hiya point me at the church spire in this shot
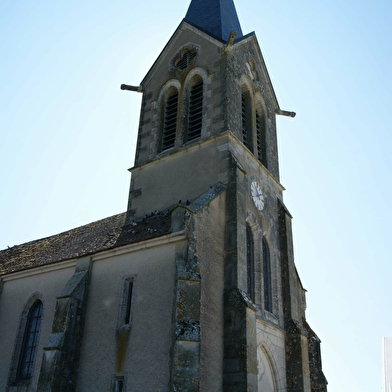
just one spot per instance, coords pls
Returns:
(216, 17)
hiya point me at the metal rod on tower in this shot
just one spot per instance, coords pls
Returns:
(285, 113)
(131, 88)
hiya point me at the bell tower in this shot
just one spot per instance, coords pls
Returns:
(209, 81)
(208, 127)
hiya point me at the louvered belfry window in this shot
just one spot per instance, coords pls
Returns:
(186, 59)
(170, 121)
(195, 115)
(261, 138)
(246, 121)
(30, 342)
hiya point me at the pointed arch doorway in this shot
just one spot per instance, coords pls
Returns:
(266, 380)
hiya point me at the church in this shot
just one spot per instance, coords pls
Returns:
(193, 287)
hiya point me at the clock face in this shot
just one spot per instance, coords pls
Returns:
(257, 195)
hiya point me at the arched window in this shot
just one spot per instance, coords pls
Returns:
(184, 59)
(267, 277)
(261, 137)
(26, 342)
(250, 264)
(170, 108)
(195, 112)
(30, 342)
(246, 120)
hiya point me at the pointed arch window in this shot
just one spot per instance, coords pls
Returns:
(30, 342)
(246, 120)
(169, 120)
(250, 264)
(261, 137)
(267, 277)
(195, 113)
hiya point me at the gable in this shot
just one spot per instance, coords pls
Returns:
(256, 69)
(185, 35)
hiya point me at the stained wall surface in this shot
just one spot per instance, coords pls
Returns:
(209, 237)
(16, 293)
(142, 353)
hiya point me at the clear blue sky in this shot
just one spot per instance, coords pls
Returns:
(68, 136)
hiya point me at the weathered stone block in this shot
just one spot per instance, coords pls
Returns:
(187, 330)
(186, 366)
(188, 300)
(188, 270)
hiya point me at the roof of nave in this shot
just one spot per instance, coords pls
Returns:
(95, 237)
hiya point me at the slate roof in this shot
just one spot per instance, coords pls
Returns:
(216, 17)
(95, 237)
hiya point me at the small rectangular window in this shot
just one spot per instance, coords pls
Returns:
(119, 384)
(129, 302)
(126, 300)
(119, 381)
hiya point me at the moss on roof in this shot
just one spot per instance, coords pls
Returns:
(95, 237)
